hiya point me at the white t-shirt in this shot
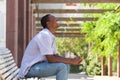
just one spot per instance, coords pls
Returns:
(42, 44)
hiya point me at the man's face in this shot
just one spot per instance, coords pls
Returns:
(53, 22)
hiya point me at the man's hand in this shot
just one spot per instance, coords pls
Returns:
(76, 61)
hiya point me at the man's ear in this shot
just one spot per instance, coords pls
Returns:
(47, 22)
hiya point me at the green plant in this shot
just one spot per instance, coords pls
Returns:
(104, 34)
(93, 66)
(76, 68)
(78, 46)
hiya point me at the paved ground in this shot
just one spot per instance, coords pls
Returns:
(106, 78)
(78, 76)
(82, 76)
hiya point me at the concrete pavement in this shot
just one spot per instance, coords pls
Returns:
(76, 76)
(82, 76)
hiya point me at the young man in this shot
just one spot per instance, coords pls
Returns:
(41, 59)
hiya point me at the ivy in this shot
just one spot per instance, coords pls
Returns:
(104, 33)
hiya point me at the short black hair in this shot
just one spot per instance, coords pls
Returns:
(44, 20)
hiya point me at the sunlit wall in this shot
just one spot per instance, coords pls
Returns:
(2, 23)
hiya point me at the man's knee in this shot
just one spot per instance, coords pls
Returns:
(62, 66)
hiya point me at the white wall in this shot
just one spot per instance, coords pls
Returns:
(61, 6)
(2, 23)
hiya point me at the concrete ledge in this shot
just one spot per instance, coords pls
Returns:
(106, 78)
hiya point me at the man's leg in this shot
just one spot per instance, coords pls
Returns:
(46, 69)
(63, 71)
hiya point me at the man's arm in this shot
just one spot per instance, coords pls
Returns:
(56, 58)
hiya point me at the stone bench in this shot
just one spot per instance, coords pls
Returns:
(8, 68)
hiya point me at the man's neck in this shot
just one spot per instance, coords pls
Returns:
(52, 30)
